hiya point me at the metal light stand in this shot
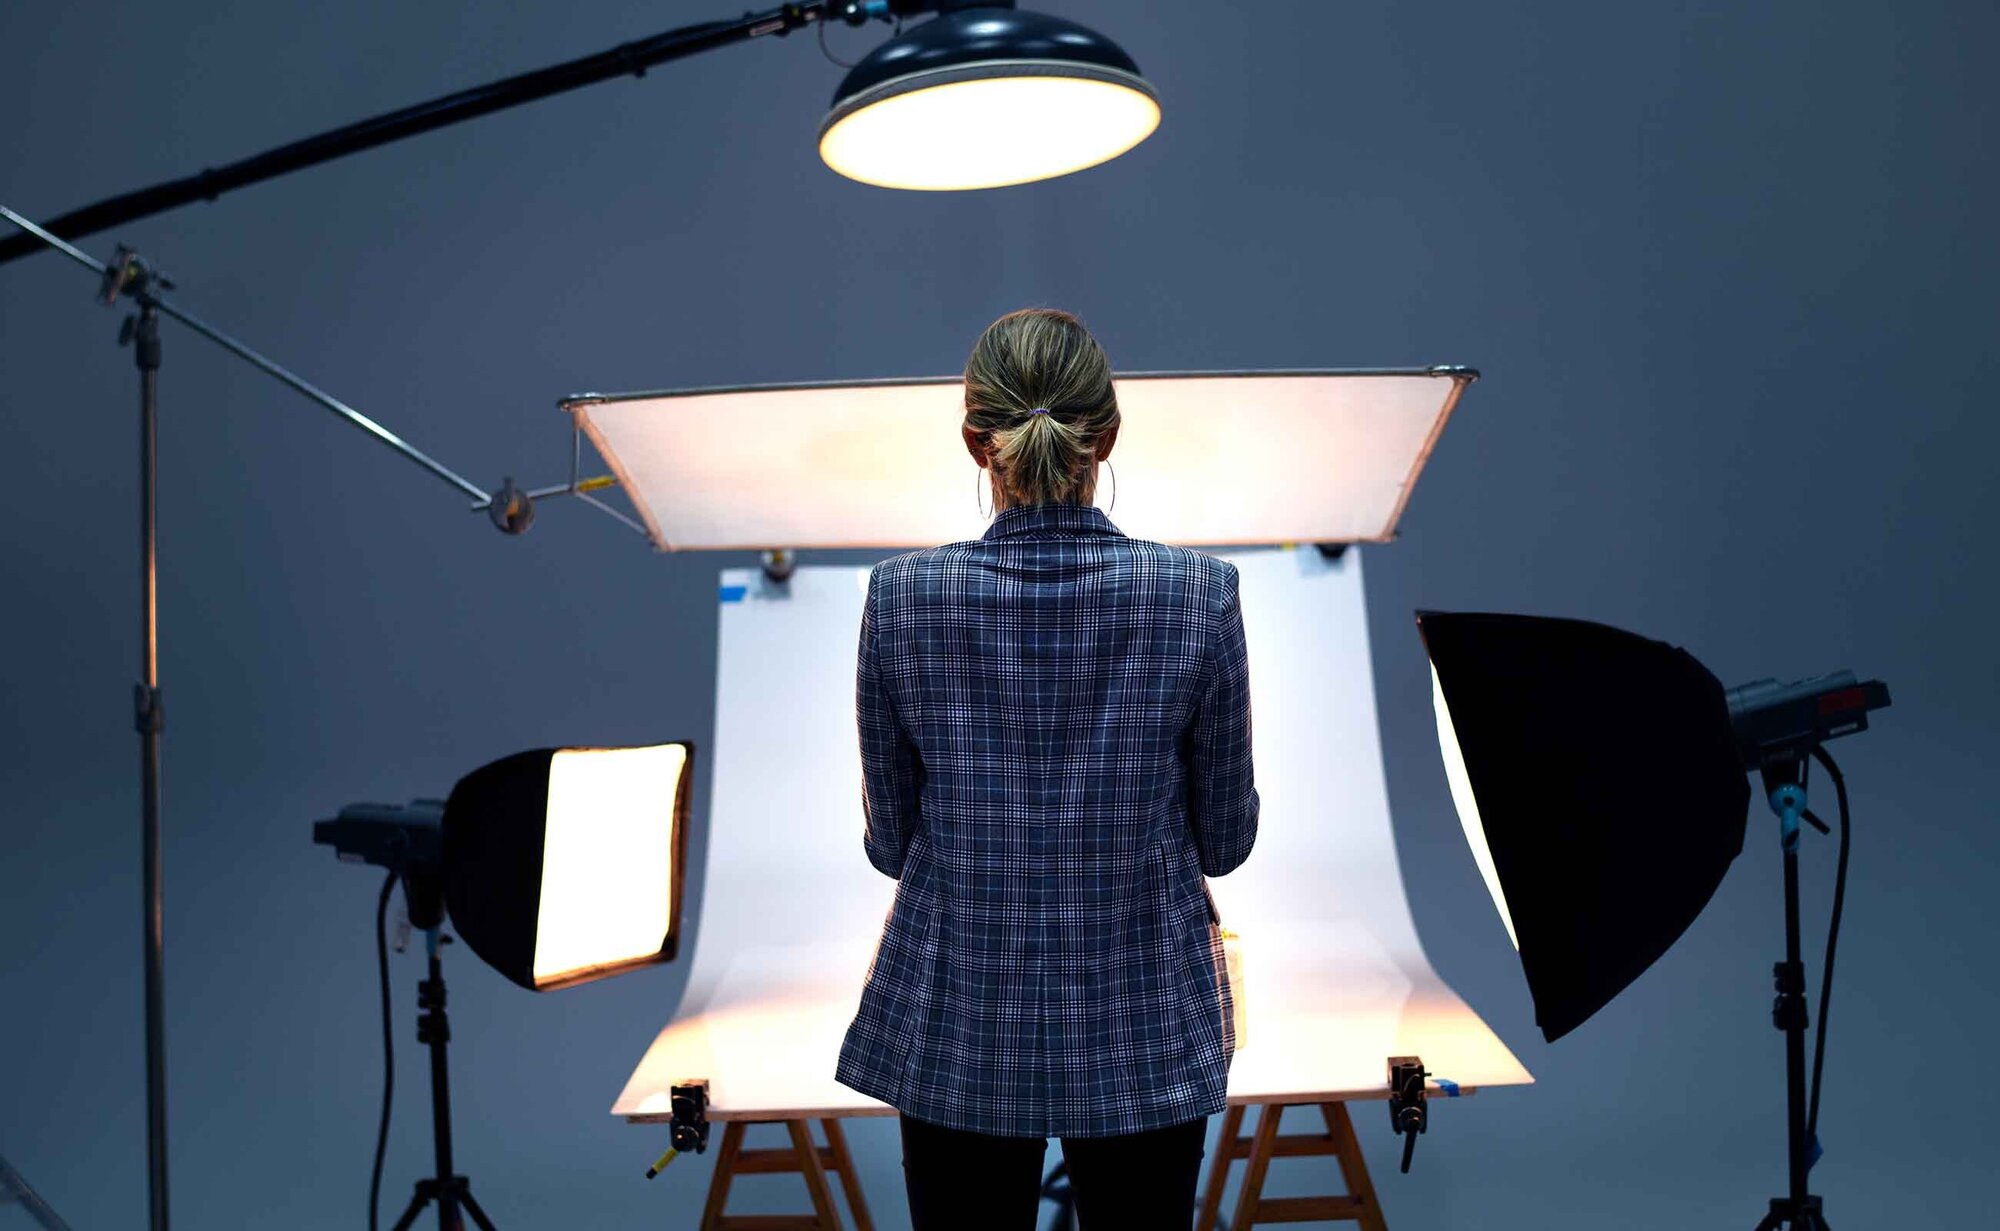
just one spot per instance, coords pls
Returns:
(1784, 786)
(447, 1188)
(134, 277)
(511, 509)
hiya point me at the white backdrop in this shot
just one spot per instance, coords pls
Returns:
(1335, 981)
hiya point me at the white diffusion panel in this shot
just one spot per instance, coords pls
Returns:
(607, 857)
(1323, 457)
(791, 910)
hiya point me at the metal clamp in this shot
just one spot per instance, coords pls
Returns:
(1409, 1109)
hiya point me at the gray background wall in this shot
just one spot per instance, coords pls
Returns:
(1729, 270)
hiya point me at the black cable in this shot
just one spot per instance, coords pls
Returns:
(828, 51)
(1832, 939)
(388, 1048)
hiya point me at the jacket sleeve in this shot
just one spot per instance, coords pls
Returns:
(891, 768)
(1222, 791)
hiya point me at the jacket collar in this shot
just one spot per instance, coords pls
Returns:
(1024, 520)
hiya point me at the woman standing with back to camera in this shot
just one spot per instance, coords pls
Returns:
(1055, 750)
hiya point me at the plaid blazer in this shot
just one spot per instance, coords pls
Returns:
(1055, 750)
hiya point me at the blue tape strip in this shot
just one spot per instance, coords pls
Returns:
(1450, 1088)
(734, 594)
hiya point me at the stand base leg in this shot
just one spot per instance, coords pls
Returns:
(450, 1194)
(1805, 1217)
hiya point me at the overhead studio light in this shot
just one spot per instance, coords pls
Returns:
(983, 96)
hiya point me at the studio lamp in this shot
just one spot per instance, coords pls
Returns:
(1600, 778)
(556, 866)
(985, 95)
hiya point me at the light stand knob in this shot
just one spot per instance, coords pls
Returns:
(511, 510)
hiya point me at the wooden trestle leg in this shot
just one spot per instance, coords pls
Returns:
(1357, 1204)
(810, 1161)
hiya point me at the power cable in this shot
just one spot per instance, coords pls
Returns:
(388, 1049)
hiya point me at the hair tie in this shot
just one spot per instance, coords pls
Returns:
(1039, 410)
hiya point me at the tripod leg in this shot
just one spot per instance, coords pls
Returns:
(416, 1206)
(472, 1207)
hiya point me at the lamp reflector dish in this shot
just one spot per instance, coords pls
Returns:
(986, 126)
(985, 95)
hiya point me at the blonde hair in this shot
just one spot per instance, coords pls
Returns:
(1040, 357)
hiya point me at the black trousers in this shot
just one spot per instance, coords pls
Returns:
(960, 1181)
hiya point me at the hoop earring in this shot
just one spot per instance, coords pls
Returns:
(1114, 484)
(978, 492)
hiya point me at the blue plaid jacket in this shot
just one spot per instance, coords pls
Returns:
(1055, 750)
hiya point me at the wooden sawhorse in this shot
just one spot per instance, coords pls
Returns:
(1357, 1204)
(809, 1160)
(813, 1162)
